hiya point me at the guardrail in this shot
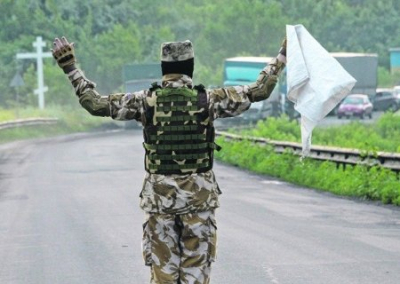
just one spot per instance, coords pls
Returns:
(338, 155)
(27, 122)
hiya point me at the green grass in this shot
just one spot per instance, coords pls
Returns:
(384, 135)
(374, 183)
(30, 132)
(71, 120)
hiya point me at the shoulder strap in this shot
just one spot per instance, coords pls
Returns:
(154, 86)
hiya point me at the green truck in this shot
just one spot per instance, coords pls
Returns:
(243, 71)
(140, 76)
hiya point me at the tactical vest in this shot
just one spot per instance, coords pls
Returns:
(178, 133)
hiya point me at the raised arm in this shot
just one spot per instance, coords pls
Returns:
(232, 101)
(118, 106)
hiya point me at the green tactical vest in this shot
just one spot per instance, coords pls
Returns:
(178, 133)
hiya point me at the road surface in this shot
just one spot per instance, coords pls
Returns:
(69, 214)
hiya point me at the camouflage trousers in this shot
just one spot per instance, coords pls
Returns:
(180, 248)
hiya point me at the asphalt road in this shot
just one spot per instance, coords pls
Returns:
(69, 214)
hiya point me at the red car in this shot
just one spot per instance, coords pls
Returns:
(355, 105)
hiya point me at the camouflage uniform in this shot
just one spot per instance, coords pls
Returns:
(179, 232)
(180, 247)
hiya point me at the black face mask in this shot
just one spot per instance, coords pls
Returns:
(178, 67)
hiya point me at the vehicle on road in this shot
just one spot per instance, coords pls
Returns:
(361, 66)
(261, 110)
(257, 111)
(355, 105)
(385, 99)
(243, 71)
(396, 91)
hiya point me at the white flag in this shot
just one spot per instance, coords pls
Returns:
(316, 82)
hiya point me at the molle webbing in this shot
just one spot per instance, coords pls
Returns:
(177, 108)
(178, 157)
(179, 139)
(178, 128)
(170, 92)
(176, 99)
(176, 118)
(170, 147)
(169, 167)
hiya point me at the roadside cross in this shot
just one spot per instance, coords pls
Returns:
(38, 55)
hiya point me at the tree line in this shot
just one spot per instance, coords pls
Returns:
(111, 33)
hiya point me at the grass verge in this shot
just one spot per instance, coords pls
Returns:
(374, 183)
(71, 120)
(383, 135)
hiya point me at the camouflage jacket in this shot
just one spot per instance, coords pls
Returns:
(176, 194)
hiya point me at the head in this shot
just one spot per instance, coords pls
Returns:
(177, 58)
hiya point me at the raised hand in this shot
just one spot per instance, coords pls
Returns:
(283, 47)
(64, 53)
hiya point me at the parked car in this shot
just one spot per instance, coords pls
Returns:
(290, 111)
(396, 92)
(257, 111)
(385, 100)
(261, 110)
(355, 105)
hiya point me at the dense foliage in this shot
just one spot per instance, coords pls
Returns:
(109, 33)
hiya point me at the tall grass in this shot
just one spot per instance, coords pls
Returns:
(70, 120)
(384, 135)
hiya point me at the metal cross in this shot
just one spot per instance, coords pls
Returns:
(38, 55)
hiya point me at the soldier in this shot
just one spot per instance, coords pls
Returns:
(180, 192)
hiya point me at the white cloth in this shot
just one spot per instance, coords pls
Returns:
(316, 82)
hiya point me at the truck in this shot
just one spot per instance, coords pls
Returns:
(138, 77)
(243, 71)
(363, 67)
